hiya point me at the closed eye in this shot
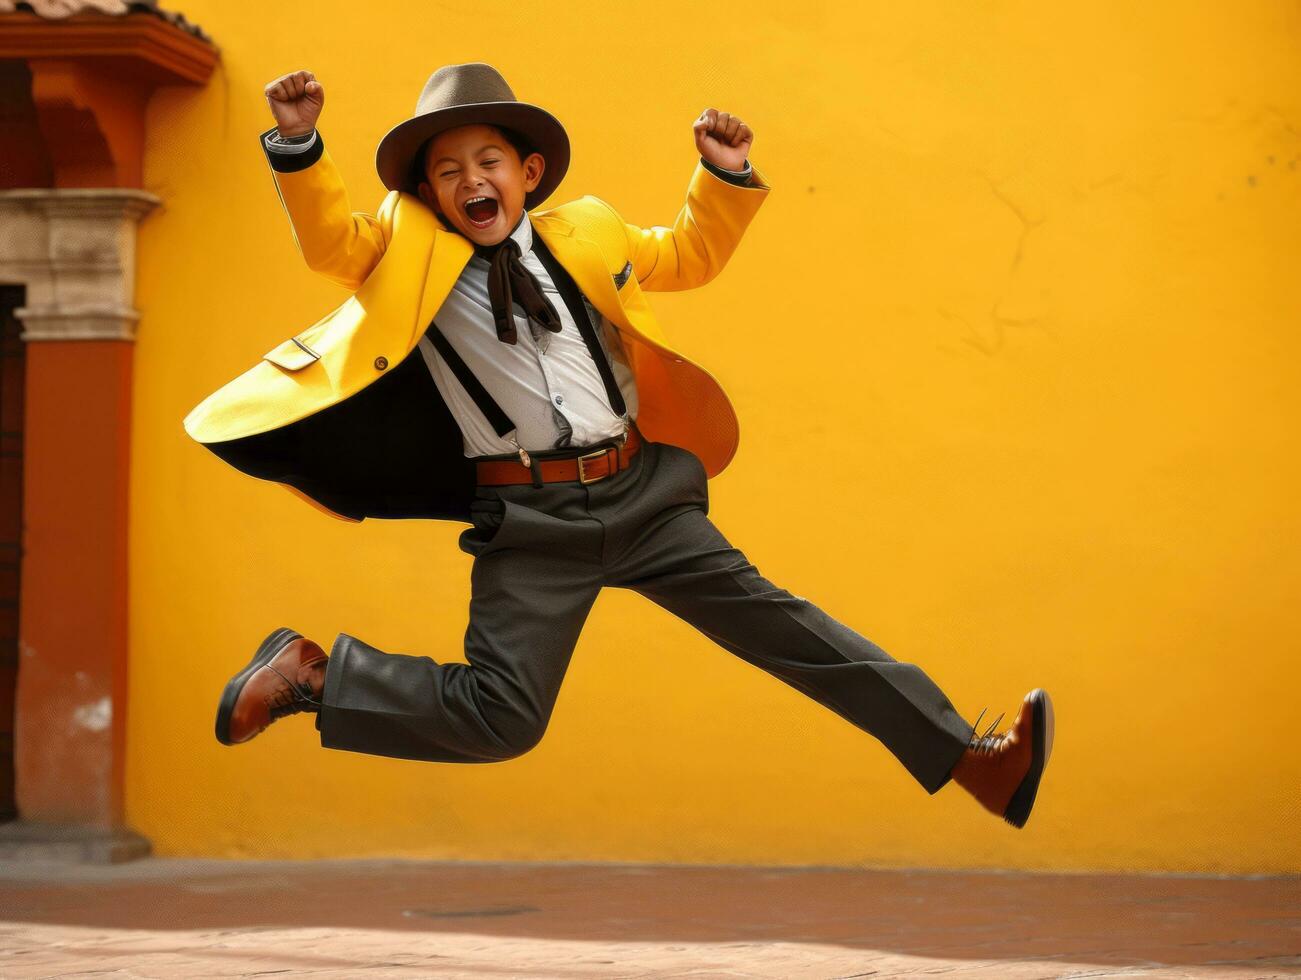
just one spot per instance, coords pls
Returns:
(451, 173)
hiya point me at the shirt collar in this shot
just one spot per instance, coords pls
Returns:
(523, 233)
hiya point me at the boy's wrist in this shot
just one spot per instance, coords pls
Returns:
(739, 177)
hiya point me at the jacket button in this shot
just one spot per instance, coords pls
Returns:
(381, 363)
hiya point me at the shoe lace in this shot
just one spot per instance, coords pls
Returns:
(298, 697)
(987, 743)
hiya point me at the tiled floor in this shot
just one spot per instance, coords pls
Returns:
(187, 918)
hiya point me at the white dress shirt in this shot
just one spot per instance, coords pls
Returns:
(547, 383)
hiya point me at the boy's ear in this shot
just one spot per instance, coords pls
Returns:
(534, 166)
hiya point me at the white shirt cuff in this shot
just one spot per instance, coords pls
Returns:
(738, 173)
(276, 146)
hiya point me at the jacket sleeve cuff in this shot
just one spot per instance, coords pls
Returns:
(288, 158)
(738, 177)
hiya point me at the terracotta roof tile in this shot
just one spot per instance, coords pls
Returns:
(58, 9)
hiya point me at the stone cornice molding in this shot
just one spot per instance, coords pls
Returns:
(75, 250)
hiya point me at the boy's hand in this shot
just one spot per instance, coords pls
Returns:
(723, 139)
(296, 100)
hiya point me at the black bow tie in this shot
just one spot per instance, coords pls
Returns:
(510, 282)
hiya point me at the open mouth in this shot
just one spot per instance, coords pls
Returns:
(482, 211)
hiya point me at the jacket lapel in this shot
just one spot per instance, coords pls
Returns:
(449, 255)
(584, 260)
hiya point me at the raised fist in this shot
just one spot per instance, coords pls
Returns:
(296, 100)
(723, 139)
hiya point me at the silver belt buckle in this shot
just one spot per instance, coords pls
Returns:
(582, 474)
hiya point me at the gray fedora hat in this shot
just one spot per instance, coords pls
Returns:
(459, 95)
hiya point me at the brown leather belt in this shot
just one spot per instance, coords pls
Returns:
(588, 468)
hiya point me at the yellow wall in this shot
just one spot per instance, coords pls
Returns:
(1024, 270)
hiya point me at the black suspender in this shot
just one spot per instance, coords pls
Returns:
(578, 310)
(493, 412)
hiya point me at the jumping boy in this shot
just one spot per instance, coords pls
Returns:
(501, 366)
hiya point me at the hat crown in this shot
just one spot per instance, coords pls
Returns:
(467, 84)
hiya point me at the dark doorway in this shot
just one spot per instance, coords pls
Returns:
(12, 372)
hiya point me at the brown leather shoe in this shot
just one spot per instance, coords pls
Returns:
(1003, 771)
(285, 676)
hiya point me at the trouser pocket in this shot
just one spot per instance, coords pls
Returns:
(487, 515)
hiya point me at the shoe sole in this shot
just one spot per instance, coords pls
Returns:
(266, 652)
(1022, 802)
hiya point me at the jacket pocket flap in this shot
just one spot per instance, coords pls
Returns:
(292, 355)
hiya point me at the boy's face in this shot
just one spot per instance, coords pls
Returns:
(476, 161)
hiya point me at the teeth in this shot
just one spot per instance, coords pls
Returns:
(473, 199)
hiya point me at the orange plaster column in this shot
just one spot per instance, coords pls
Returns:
(74, 249)
(83, 85)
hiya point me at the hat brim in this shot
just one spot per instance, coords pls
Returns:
(396, 152)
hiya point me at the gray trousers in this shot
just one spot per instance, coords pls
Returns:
(541, 556)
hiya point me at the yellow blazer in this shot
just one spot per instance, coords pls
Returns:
(344, 416)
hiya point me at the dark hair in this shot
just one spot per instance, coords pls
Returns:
(518, 141)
